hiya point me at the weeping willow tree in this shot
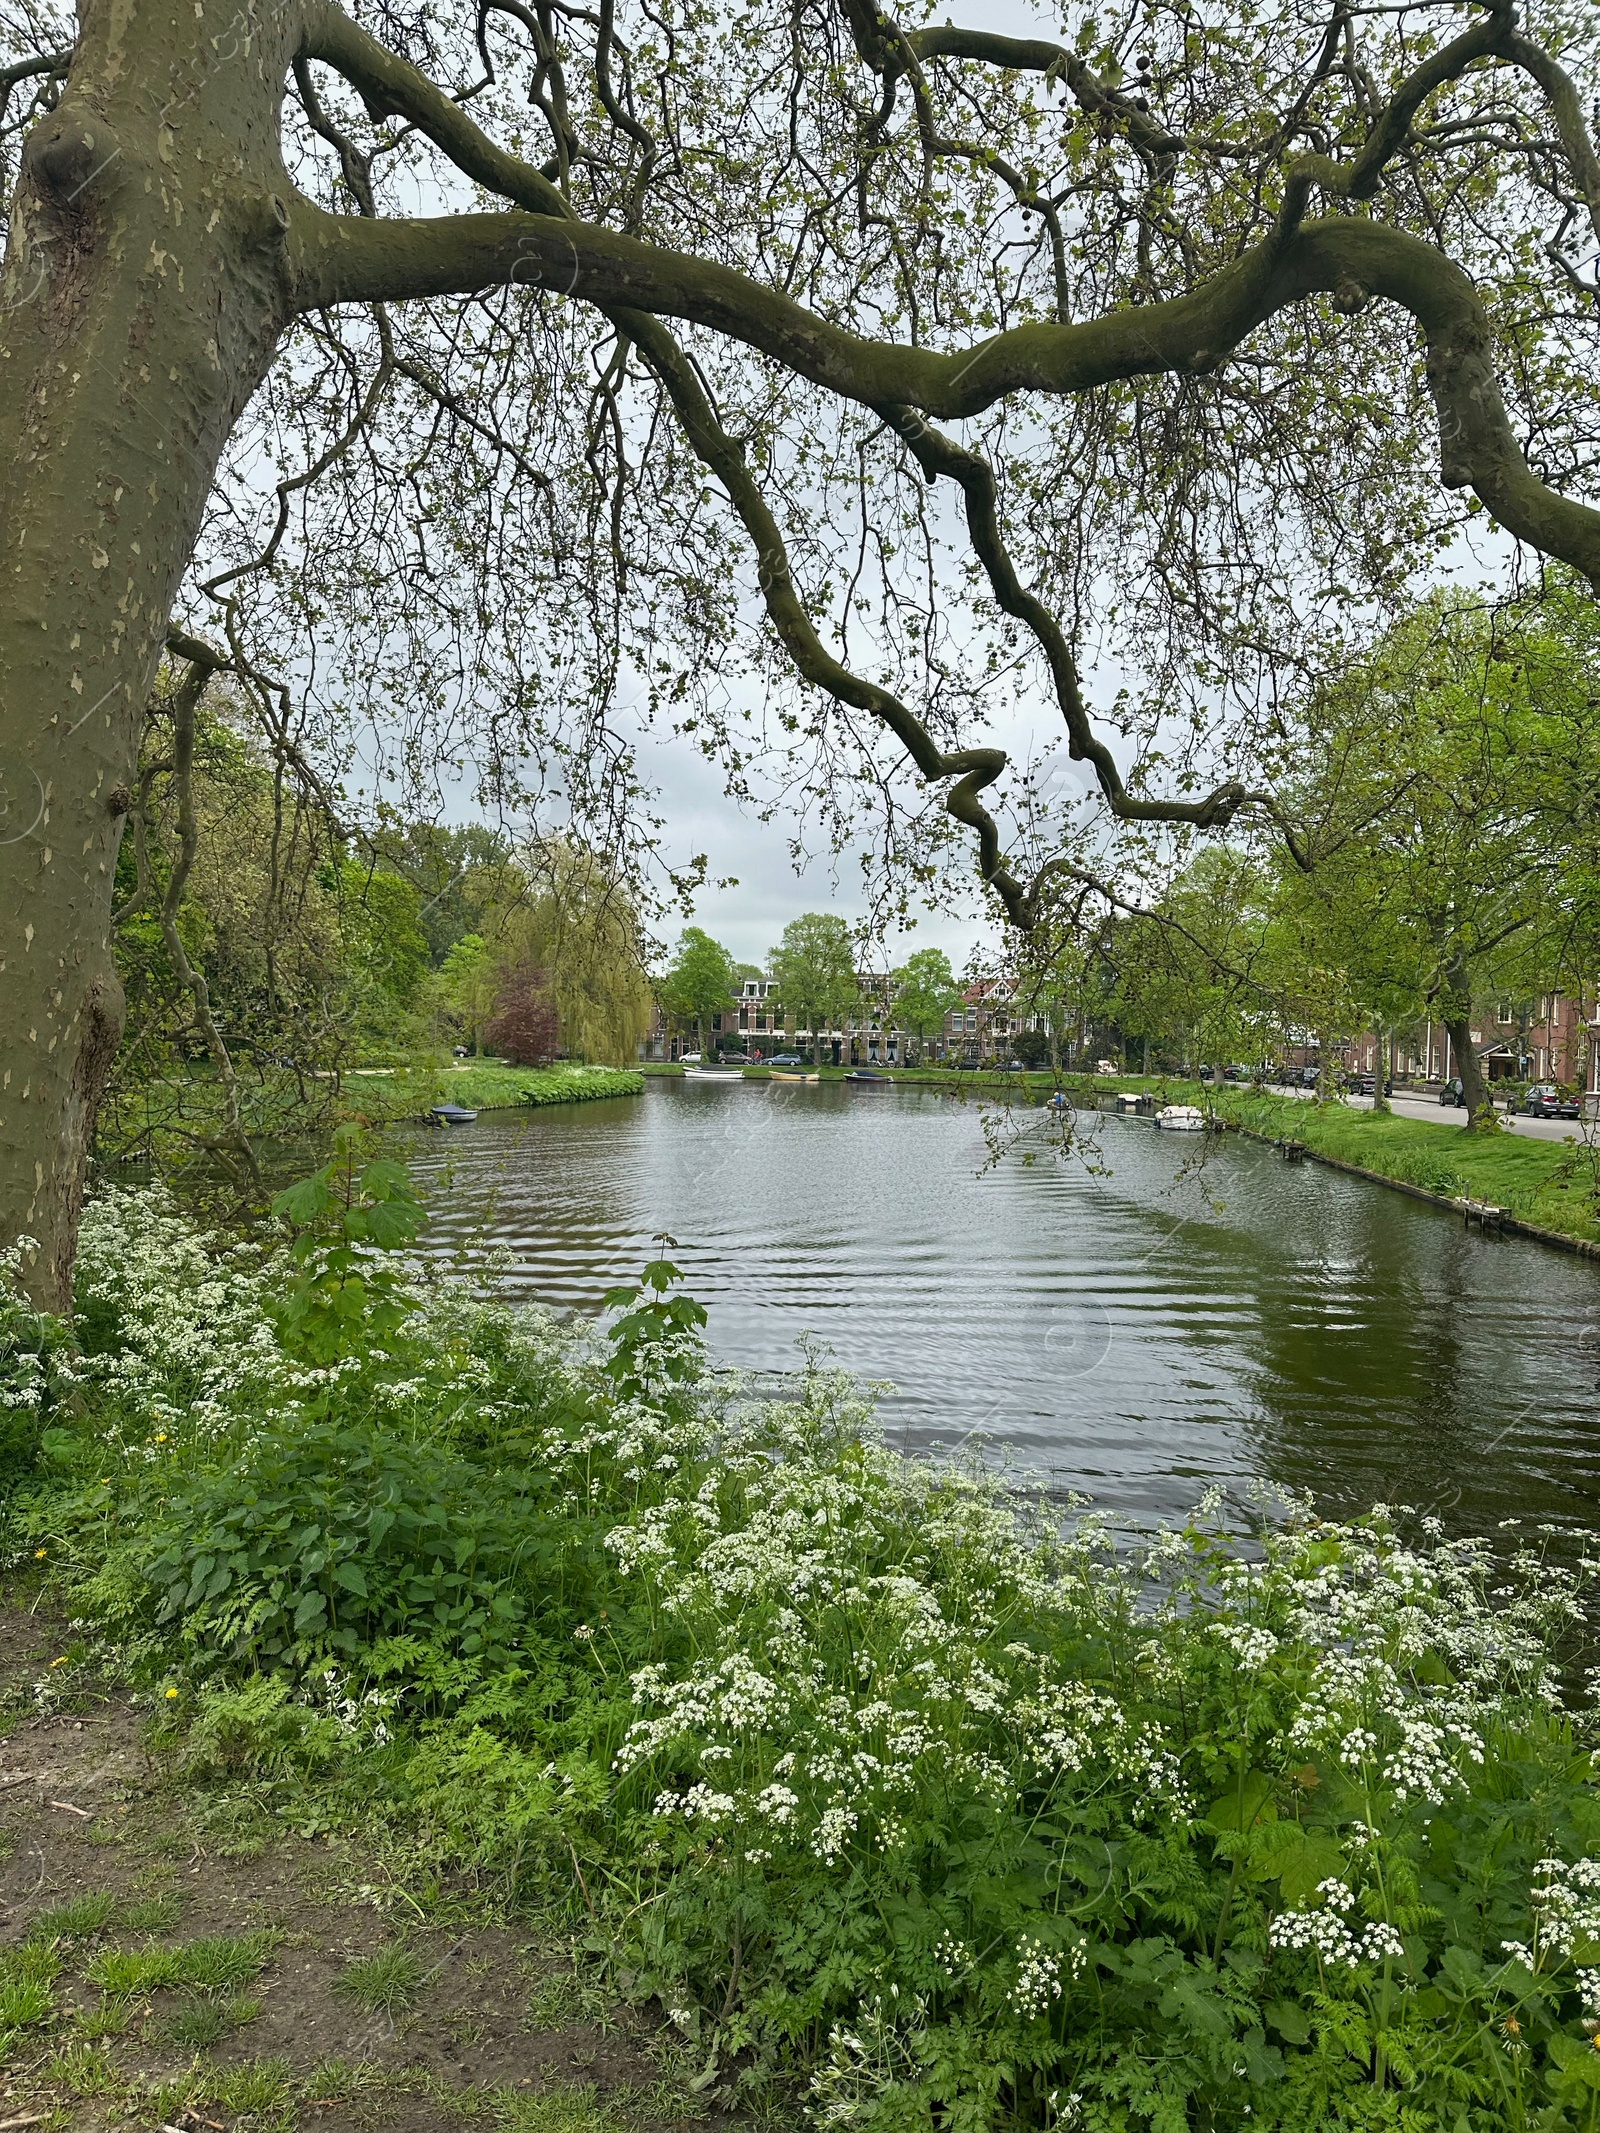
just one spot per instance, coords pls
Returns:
(821, 380)
(577, 936)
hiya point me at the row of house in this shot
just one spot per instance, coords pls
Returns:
(1555, 1037)
(985, 1023)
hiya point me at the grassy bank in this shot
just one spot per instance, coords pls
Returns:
(904, 1805)
(1549, 1184)
(484, 1087)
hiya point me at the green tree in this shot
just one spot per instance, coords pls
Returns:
(1452, 785)
(580, 931)
(387, 948)
(1198, 969)
(814, 967)
(925, 991)
(702, 980)
(467, 979)
(466, 878)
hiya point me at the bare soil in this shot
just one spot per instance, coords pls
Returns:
(492, 2030)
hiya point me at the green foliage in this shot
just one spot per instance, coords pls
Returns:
(815, 968)
(216, 1966)
(925, 991)
(700, 982)
(324, 1538)
(32, 1345)
(467, 978)
(80, 1918)
(383, 930)
(203, 2023)
(27, 1997)
(346, 1216)
(149, 1914)
(866, 1769)
(653, 1343)
(577, 925)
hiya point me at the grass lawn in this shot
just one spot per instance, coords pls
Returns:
(1552, 1184)
(485, 1087)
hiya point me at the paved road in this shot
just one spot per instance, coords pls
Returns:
(1433, 1113)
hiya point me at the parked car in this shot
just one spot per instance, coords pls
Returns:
(1452, 1093)
(1545, 1100)
(1309, 1077)
(784, 1059)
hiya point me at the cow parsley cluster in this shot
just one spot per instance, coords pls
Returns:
(1330, 1938)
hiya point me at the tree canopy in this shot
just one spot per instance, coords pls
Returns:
(925, 991)
(700, 981)
(815, 969)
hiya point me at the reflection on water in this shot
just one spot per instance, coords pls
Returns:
(1135, 1333)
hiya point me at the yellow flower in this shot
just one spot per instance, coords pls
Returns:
(161, 1436)
(171, 1695)
(61, 1661)
(38, 1552)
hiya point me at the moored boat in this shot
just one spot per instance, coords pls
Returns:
(708, 1073)
(452, 1115)
(870, 1079)
(1181, 1118)
(791, 1074)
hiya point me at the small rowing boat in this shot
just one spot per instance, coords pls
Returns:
(870, 1080)
(728, 1075)
(452, 1115)
(789, 1074)
(1181, 1118)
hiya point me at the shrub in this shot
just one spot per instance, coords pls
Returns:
(323, 1538)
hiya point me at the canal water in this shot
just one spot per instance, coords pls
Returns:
(1146, 1317)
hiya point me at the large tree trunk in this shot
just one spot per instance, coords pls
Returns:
(143, 291)
(1474, 1089)
(1456, 1005)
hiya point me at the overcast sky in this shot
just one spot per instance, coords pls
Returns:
(750, 918)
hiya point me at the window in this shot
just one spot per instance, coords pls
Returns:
(1503, 1014)
(761, 1022)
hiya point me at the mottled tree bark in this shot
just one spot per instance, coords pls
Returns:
(144, 291)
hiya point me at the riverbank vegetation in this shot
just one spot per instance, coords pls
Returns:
(1439, 867)
(390, 1093)
(906, 1798)
(1551, 1184)
(269, 974)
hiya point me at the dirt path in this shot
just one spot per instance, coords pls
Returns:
(155, 1976)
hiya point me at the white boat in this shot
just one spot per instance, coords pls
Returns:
(1181, 1118)
(706, 1073)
